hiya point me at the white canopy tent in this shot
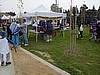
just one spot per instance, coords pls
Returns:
(4, 17)
(12, 17)
(42, 13)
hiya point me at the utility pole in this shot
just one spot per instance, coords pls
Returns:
(20, 6)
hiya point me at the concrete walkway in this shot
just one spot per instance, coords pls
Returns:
(7, 70)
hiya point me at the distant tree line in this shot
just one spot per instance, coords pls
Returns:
(11, 13)
(84, 15)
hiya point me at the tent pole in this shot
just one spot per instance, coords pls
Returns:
(36, 31)
(63, 25)
(63, 28)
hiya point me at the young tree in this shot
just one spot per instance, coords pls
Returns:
(93, 7)
(83, 12)
(98, 13)
(55, 8)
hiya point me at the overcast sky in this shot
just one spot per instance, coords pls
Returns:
(11, 5)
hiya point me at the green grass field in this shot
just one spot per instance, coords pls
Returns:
(86, 62)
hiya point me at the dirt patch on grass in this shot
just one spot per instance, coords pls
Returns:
(72, 52)
(47, 55)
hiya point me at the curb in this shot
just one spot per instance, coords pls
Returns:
(12, 64)
(62, 72)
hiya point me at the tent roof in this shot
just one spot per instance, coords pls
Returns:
(41, 11)
(40, 8)
(4, 17)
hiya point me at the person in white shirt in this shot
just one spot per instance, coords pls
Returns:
(80, 29)
(4, 48)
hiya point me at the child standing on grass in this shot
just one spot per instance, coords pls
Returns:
(4, 48)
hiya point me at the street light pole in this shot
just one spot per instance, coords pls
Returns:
(20, 6)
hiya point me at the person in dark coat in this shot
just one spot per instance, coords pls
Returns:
(9, 33)
(49, 30)
(98, 31)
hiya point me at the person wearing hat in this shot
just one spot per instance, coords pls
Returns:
(4, 48)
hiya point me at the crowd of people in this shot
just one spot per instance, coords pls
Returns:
(14, 29)
(47, 27)
(94, 31)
